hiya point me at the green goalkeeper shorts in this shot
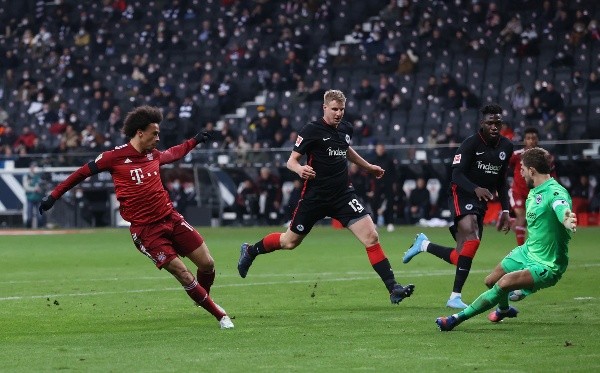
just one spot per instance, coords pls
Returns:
(543, 276)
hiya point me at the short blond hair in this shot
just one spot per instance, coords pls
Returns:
(334, 95)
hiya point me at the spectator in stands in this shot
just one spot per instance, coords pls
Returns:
(432, 88)
(478, 48)
(511, 32)
(383, 189)
(529, 45)
(170, 131)
(563, 58)
(25, 139)
(277, 83)
(33, 184)
(593, 31)
(407, 63)
(71, 138)
(384, 64)
(452, 101)
(285, 127)
(432, 138)
(315, 92)
(551, 102)
(258, 153)
(582, 193)
(593, 83)
(7, 135)
(269, 187)
(459, 43)
(557, 128)
(188, 115)
(365, 91)
(519, 98)
(448, 137)
(265, 131)
(90, 138)
(579, 31)
(246, 202)
(419, 203)
(534, 111)
(468, 99)
(293, 68)
(446, 84)
(399, 102)
(243, 149)
(344, 58)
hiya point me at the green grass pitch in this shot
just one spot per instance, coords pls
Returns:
(88, 301)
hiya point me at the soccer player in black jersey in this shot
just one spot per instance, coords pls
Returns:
(327, 192)
(479, 173)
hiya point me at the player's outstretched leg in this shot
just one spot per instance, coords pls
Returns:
(225, 322)
(245, 260)
(498, 314)
(415, 248)
(400, 292)
(447, 323)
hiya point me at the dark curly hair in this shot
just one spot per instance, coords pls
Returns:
(140, 118)
(491, 109)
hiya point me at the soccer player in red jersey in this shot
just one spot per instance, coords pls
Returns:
(157, 230)
(519, 186)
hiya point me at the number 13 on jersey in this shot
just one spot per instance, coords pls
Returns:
(356, 206)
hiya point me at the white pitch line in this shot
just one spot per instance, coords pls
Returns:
(315, 277)
(439, 272)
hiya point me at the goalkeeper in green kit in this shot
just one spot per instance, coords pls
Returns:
(541, 261)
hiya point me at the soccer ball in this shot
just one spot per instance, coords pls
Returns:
(515, 296)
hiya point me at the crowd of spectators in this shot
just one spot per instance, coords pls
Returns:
(71, 70)
(415, 72)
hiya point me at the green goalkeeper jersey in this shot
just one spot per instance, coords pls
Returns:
(548, 239)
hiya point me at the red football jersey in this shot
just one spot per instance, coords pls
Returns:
(136, 176)
(519, 185)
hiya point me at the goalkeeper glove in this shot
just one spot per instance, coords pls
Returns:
(47, 203)
(202, 137)
(570, 220)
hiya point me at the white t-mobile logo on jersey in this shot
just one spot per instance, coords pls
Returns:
(136, 175)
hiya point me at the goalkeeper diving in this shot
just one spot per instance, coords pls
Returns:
(541, 261)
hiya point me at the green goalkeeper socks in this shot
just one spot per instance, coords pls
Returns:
(484, 302)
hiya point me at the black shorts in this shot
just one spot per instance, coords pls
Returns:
(461, 204)
(346, 208)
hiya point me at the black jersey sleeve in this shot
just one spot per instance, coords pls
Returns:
(460, 164)
(305, 140)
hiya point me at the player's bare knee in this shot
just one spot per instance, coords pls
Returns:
(290, 244)
(503, 283)
(371, 238)
(183, 275)
(207, 265)
(489, 281)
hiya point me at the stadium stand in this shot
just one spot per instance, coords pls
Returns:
(70, 70)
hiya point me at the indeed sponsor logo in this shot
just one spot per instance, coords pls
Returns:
(488, 168)
(337, 152)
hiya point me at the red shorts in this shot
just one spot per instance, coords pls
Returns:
(166, 239)
(518, 198)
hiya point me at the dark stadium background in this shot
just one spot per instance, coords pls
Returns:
(253, 72)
